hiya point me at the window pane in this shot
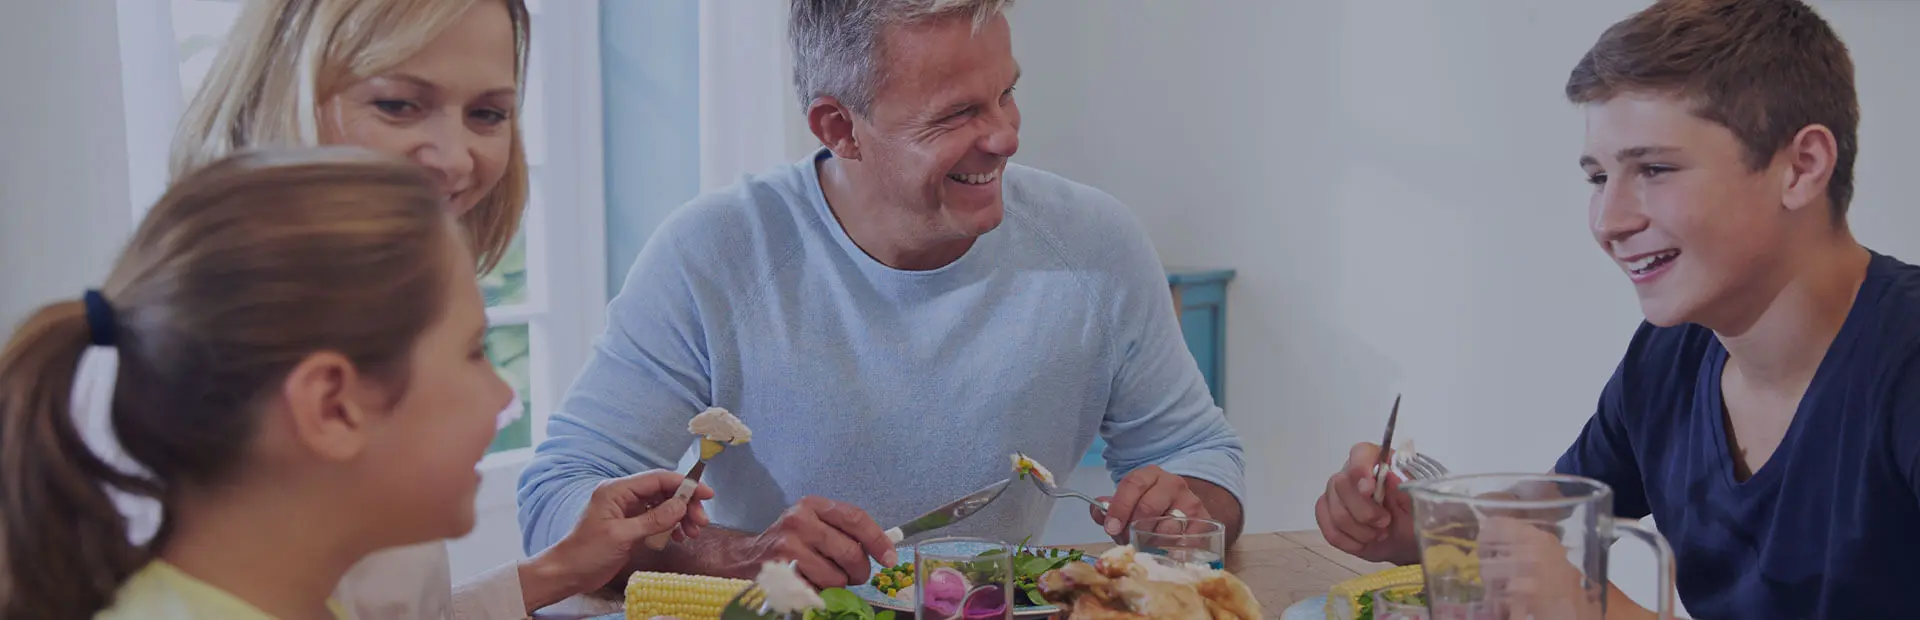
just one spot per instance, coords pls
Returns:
(199, 28)
(507, 284)
(509, 346)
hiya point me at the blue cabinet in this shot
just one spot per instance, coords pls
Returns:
(1200, 300)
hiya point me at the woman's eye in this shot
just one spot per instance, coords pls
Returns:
(491, 116)
(394, 106)
(1597, 179)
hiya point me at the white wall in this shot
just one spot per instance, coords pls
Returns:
(1395, 183)
(64, 206)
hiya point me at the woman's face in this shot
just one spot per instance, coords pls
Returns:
(449, 108)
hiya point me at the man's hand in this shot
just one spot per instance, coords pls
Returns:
(829, 541)
(1351, 521)
(1146, 493)
(621, 513)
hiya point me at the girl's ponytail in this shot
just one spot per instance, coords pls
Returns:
(65, 544)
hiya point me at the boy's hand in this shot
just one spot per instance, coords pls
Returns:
(1351, 521)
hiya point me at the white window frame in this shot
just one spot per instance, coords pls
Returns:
(566, 295)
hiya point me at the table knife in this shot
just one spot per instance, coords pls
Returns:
(950, 513)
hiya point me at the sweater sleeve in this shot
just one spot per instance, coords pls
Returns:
(627, 411)
(1161, 412)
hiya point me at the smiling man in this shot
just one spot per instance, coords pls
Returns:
(894, 316)
(1767, 414)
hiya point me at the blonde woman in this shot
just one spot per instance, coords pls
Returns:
(438, 82)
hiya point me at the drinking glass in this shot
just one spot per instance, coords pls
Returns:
(1385, 607)
(959, 578)
(1182, 539)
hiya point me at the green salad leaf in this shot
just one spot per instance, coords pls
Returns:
(845, 605)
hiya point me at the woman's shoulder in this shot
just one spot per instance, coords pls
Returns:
(413, 581)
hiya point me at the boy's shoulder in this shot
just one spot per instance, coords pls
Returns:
(1892, 288)
(1888, 336)
(1883, 346)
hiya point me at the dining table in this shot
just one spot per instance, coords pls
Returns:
(1282, 568)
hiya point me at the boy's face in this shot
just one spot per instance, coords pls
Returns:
(1678, 209)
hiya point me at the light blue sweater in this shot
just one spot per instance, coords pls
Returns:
(895, 391)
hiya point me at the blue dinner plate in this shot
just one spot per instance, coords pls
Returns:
(882, 601)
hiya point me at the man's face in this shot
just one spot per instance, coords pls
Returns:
(943, 123)
(1676, 205)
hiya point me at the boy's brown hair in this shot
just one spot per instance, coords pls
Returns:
(1764, 69)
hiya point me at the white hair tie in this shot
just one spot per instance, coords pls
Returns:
(91, 405)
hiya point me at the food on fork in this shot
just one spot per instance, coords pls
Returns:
(719, 425)
(1025, 465)
(786, 591)
(1125, 585)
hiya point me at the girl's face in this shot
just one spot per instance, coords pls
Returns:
(418, 465)
(449, 108)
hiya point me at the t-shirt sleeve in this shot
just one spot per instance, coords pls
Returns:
(1604, 451)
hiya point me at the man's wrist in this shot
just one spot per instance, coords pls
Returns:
(545, 581)
(1221, 505)
(717, 552)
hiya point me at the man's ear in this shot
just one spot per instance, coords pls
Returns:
(327, 405)
(832, 123)
(1810, 158)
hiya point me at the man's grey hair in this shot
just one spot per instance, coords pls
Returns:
(836, 43)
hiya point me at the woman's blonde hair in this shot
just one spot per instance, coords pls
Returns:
(246, 267)
(284, 57)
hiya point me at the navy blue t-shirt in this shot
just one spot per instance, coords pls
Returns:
(1829, 526)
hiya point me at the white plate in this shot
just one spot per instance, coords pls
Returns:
(1311, 609)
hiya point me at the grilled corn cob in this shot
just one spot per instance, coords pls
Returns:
(1343, 600)
(687, 597)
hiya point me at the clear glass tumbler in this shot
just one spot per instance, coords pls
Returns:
(1182, 539)
(963, 579)
(1387, 605)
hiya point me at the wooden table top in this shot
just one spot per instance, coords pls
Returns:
(1282, 568)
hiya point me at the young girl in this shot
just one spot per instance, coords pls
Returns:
(288, 355)
(438, 82)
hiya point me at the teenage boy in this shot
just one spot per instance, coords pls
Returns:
(1767, 414)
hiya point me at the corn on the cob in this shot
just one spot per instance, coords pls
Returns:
(687, 597)
(1343, 600)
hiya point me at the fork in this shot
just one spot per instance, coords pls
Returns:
(1059, 492)
(1422, 467)
(749, 604)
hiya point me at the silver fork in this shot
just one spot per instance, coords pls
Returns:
(1058, 492)
(1423, 467)
(749, 604)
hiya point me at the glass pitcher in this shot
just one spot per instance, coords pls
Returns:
(1499, 546)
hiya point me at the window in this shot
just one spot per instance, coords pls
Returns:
(543, 318)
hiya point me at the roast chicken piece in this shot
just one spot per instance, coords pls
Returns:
(1124, 586)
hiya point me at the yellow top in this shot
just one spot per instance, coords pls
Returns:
(161, 592)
